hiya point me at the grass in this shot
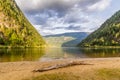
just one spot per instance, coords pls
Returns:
(56, 76)
(109, 74)
(100, 74)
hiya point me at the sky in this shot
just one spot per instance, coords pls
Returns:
(61, 16)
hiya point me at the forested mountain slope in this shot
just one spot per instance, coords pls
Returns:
(15, 29)
(107, 35)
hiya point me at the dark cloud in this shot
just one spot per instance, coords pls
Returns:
(56, 5)
(72, 27)
(76, 19)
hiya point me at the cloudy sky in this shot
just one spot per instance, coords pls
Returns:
(60, 16)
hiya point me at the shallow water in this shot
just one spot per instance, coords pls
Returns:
(41, 54)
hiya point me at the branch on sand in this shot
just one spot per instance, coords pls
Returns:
(57, 66)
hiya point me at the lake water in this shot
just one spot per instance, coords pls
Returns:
(38, 54)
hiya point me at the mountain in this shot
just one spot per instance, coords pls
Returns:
(107, 35)
(15, 29)
(65, 39)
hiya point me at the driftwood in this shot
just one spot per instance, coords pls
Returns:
(57, 66)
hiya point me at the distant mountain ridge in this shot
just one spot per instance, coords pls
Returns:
(15, 29)
(73, 34)
(107, 35)
(66, 39)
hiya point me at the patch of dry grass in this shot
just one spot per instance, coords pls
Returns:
(109, 74)
(100, 74)
(56, 76)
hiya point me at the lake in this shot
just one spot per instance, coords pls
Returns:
(41, 54)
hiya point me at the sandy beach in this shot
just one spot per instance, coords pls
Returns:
(24, 70)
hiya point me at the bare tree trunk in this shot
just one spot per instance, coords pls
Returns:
(57, 66)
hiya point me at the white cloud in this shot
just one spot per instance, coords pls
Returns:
(57, 16)
(101, 5)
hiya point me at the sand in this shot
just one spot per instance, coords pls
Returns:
(23, 70)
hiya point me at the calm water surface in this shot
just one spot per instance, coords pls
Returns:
(38, 54)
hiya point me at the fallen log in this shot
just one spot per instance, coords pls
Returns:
(57, 66)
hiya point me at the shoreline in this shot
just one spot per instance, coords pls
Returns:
(23, 70)
(64, 59)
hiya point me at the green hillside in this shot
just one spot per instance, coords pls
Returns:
(57, 41)
(70, 39)
(107, 35)
(15, 29)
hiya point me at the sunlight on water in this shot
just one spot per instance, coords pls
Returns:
(41, 54)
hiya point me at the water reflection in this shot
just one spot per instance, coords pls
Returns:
(101, 53)
(56, 53)
(60, 53)
(28, 54)
(35, 54)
